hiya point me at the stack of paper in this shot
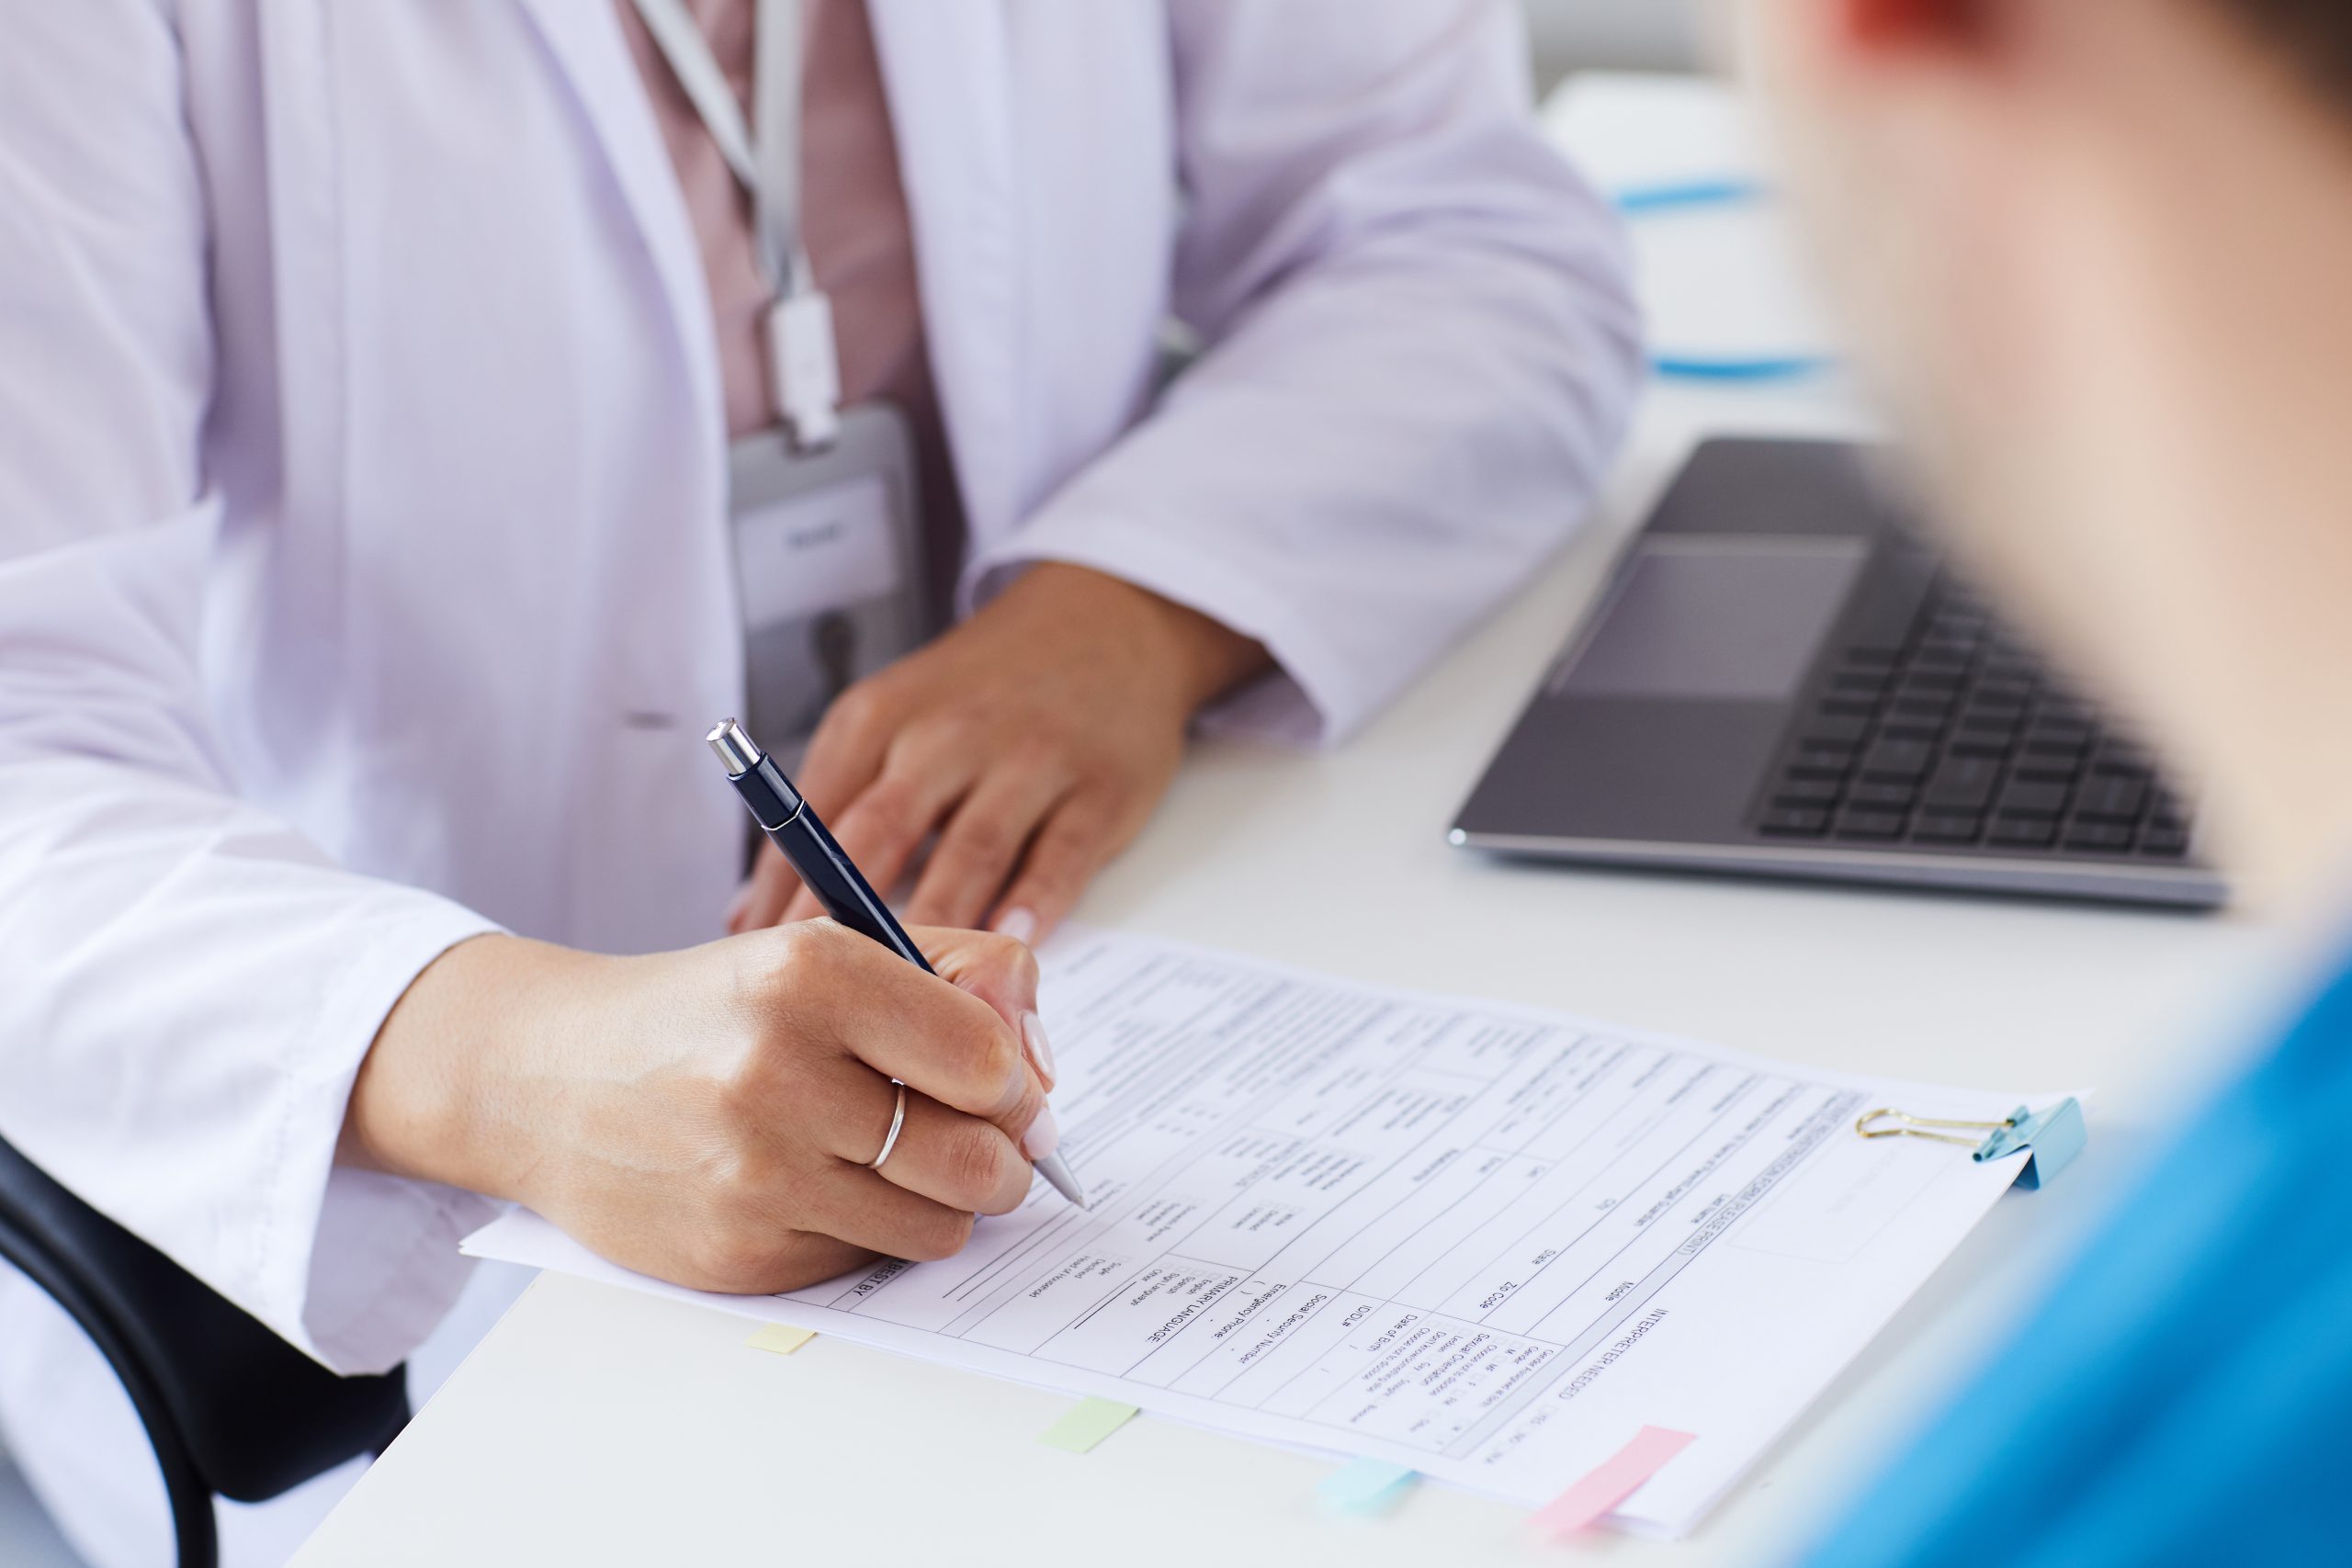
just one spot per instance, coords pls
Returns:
(1489, 1243)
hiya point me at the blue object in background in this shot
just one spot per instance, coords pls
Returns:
(2184, 1394)
(1698, 368)
(1650, 201)
(1642, 201)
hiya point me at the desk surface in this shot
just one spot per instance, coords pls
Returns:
(596, 1426)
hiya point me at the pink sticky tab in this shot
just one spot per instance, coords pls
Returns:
(1615, 1479)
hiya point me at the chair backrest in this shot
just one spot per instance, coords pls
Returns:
(249, 1414)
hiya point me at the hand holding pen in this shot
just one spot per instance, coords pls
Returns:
(709, 1115)
(793, 826)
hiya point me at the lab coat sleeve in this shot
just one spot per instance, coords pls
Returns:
(1420, 350)
(187, 984)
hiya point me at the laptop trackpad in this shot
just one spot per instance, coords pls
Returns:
(1724, 619)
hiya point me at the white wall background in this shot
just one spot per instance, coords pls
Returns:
(1644, 34)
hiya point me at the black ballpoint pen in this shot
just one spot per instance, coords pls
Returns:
(830, 873)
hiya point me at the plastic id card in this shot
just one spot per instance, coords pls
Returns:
(828, 559)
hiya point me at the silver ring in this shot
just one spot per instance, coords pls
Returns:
(890, 1138)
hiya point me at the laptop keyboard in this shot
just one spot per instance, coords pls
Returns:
(1954, 738)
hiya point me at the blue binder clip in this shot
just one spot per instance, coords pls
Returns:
(2049, 1138)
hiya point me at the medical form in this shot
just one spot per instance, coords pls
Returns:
(1487, 1242)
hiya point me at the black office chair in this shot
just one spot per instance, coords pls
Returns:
(230, 1408)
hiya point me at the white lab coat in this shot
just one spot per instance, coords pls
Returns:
(364, 580)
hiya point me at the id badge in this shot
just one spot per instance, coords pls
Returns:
(828, 559)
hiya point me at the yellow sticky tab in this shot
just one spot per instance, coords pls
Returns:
(1086, 1424)
(782, 1339)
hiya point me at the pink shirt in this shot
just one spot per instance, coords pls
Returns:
(852, 219)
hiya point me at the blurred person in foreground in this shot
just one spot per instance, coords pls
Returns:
(2101, 254)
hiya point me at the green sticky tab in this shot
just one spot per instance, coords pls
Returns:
(1086, 1424)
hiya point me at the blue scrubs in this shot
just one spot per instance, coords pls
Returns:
(2185, 1393)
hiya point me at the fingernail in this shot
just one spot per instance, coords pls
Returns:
(1041, 1055)
(738, 906)
(1021, 925)
(1043, 1136)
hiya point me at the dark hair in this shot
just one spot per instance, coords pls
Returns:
(2316, 36)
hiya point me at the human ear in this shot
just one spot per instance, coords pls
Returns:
(1912, 24)
(1893, 56)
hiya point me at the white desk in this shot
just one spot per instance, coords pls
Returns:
(595, 1426)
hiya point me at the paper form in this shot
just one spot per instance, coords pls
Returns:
(1486, 1242)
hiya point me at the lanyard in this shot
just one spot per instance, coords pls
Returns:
(801, 355)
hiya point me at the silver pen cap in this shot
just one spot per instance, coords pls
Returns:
(734, 748)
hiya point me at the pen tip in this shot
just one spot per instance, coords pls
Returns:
(1056, 1169)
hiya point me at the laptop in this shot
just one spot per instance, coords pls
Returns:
(1783, 678)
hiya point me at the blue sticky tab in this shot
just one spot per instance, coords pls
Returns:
(2051, 1137)
(1364, 1486)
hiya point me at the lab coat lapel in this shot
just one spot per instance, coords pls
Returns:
(585, 40)
(948, 73)
(307, 247)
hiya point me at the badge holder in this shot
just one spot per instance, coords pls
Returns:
(830, 560)
(826, 517)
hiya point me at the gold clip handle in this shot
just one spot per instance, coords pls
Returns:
(1917, 1126)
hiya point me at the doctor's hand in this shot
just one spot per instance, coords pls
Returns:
(707, 1116)
(1034, 740)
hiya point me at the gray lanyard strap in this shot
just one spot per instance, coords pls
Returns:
(800, 332)
(769, 169)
